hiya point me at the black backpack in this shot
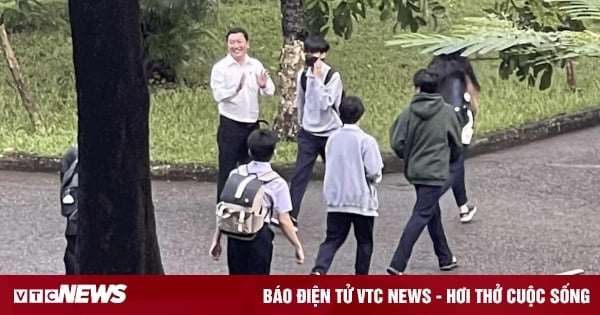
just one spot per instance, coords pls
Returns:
(69, 197)
(453, 90)
(327, 79)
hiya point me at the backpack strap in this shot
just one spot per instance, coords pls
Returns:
(243, 170)
(303, 80)
(68, 176)
(269, 177)
(329, 75)
(327, 78)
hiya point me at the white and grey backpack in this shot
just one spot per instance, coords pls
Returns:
(240, 213)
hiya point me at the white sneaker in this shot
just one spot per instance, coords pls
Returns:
(466, 217)
(451, 266)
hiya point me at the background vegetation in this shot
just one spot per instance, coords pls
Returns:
(184, 116)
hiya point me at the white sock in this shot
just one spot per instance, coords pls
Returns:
(464, 209)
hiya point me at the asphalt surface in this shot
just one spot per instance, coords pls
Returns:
(539, 213)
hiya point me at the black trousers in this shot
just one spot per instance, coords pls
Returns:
(426, 213)
(233, 149)
(338, 227)
(251, 257)
(456, 181)
(70, 258)
(309, 148)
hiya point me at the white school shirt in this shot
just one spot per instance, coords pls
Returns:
(277, 192)
(225, 77)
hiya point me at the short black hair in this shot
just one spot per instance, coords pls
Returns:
(236, 30)
(262, 143)
(426, 81)
(351, 109)
(316, 44)
(450, 64)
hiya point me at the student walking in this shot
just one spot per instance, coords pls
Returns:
(236, 82)
(459, 87)
(427, 136)
(319, 93)
(245, 257)
(354, 166)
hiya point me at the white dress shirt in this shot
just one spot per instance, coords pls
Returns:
(242, 106)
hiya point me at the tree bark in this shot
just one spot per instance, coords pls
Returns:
(17, 76)
(571, 77)
(117, 229)
(291, 62)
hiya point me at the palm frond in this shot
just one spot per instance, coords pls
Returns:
(486, 35)
(579, 9)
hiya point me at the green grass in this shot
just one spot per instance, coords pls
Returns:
(183, 121)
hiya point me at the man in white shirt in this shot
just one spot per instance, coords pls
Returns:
(236, 82)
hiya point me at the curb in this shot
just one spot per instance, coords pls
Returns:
(484, 144)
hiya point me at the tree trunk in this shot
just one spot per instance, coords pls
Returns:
(292, 61)
(571, 78)
(17, 76)
(117, 229)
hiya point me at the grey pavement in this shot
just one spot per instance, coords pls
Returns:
(539, 213)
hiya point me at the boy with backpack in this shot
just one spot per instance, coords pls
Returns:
(354, 167)
(252, 194)
(427, 136)
(319, 92)
(69, 185)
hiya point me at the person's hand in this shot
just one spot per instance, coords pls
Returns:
(299, 255)
(215, 250)
(318, 69)
(242, 81)
(262, 79)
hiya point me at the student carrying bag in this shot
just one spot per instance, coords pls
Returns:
(241, 214)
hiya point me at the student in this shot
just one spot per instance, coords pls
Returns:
(69, 185)
(354, 166)
(457, 80)
(427, 136)
(254, 257)
(317, 105)
(236, 82)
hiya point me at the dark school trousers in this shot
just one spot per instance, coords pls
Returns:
(426, 213)
(233, 149)
(309, 148)
(251, 257)
(338, 227)
(70, 257)
(456, 181)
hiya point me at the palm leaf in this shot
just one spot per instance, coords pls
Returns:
(487, 35)
(579, 9)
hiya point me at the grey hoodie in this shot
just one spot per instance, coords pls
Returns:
(318, 106)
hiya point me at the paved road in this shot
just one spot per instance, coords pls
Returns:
(539, 214)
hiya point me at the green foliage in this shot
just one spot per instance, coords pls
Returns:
(414, 14)
(531, 37)
(539, 16)
(175, 35)
(183, 121)
(339, 15)
(31, 15)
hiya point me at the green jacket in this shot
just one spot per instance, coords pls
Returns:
(427, 136)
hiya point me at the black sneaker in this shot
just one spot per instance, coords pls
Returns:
(392, 271)
(466, 217)
(450, 266)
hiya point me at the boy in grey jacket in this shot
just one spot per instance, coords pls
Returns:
(319, 92)
(354, 166)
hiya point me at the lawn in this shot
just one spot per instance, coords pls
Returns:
(183, 120)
